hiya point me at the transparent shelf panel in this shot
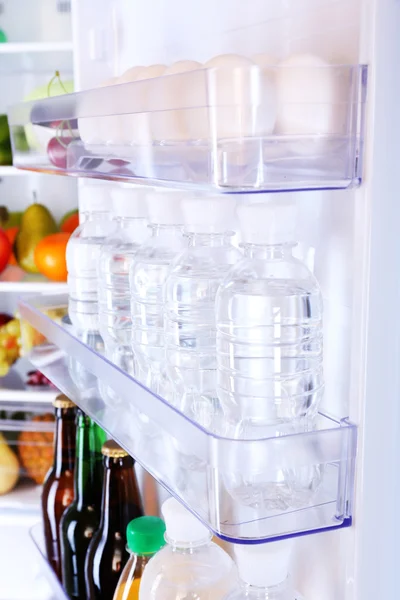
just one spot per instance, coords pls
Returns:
(244, 490)
(37, 537)
(242, 129)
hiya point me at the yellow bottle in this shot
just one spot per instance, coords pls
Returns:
(145, 536)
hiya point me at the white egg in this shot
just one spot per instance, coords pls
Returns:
(175, 123)
(264, 60)
(241, 102)
(306, 95)
(135, 127)
(130, 75)
(95, 130)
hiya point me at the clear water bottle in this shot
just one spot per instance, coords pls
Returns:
(147, 276)
(116, 258)
(269, 352)
(189, 306)
(263, 572)
(82, 255)
(190, 565)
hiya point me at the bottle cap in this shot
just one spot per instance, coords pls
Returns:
(145, 535)
(164, 208)
(114, 450)
(130, 202)
(95, 198)
(62, 401)
(264, 565)
(181, 525)
(209, 214)
(270, 223)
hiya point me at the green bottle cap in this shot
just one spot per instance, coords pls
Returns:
(145, 535)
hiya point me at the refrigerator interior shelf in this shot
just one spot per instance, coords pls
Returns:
(28, 47)
(37, 537)
(15, 280)
(242, 129)
(244, 490)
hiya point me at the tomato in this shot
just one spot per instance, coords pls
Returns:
(5, 250)
(70, 222)
(11, 233)
(50, 256)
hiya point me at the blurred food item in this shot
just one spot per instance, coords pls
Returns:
(5, 250)
(30, 337)
(9, 219)
(11, 233)
(10, 335)
(35, 449)
(37, 378)
(5, 318)
(3, 37)
(37, 222)
(9, 467)
(50, 256)
(5, 143)
(38, 137)
(70, 221)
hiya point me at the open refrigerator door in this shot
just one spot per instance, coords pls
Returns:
(265, 101)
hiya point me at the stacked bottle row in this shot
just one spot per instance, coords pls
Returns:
(89, 496)
(232, 337)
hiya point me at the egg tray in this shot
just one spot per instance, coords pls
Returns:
(237, 129)
(245, 491)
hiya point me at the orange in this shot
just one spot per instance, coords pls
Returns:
(70, 222)
(11, 233)
(50, 256)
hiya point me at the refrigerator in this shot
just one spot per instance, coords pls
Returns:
(333, 150)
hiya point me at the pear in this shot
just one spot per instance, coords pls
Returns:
(9, 467)
(36, 223)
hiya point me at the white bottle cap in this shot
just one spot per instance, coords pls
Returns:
(270, 223)
(164, 208)
(211, 213)
(264, 565)
(130, 201)
(95, 198)
(181, 525)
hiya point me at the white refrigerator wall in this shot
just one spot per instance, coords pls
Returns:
(350, 238)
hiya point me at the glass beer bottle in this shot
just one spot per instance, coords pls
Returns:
(107, 553)
(81, 519)
(58, 488)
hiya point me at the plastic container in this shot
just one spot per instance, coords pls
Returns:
(145, 537)
(189, 306)
(116, 258)
(191, 565)
(212, 461)
(215, 127)
(147, 276)
(263, 572)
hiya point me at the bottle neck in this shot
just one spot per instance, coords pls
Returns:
(88, 465)
(211, 239)
(64, 454)
(166, 231)
(269, 251)
(120, 499)
(96, 215)
(185, 546)
(275, 592)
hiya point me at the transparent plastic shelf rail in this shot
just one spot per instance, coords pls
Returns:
(37, 537)
(241, 129)
(244, 490)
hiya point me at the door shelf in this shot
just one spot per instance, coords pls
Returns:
(37, 537)
(231, 130)
(246, 491)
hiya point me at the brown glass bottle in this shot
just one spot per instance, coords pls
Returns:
(107, 554)
(58, 488)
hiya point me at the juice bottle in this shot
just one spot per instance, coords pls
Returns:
(145, 536)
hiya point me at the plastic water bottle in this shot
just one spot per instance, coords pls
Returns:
(116, 257)
(263, 572)
(147, 276)
(189, 305)
(82, 255)
(83, 251)
(190, 565)
(269, 352)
